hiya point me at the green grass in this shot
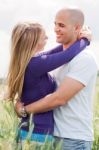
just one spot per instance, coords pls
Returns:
(9, 126)
(96, 117)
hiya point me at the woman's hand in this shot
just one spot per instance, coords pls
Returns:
(18, 106)
(85, 33)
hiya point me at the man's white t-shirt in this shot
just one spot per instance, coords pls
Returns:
(74, 120)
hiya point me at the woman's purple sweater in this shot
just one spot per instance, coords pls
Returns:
(39, 83)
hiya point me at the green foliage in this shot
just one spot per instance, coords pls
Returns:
(8, 125)
(96, 144)
(96, 117)
(9, 128)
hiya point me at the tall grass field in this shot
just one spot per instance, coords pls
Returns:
(9, 126)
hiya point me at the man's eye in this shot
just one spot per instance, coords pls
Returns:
(61, 25)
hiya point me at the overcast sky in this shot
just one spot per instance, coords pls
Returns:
(42, 11)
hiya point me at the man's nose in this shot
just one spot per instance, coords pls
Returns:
(56, 29)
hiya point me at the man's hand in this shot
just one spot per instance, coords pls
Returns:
(85, 32)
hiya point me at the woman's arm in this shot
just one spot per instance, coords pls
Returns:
(54, 50)
(41, 64)
(84, 33)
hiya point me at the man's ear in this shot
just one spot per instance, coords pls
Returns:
(77, 28)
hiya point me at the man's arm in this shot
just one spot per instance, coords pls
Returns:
(68, 88)
(78, 77)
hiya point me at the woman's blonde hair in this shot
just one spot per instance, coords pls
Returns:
(25, 37)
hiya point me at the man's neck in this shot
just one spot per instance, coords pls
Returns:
(65, 46)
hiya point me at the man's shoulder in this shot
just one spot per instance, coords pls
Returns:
(84, 60)
(84, 56)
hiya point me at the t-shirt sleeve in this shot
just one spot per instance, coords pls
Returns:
(82, 69)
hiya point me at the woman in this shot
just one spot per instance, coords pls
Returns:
(28, 77)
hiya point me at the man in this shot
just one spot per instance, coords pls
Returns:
(72, 101)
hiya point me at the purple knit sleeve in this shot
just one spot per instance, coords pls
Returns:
(42, 64)
(54, 50)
